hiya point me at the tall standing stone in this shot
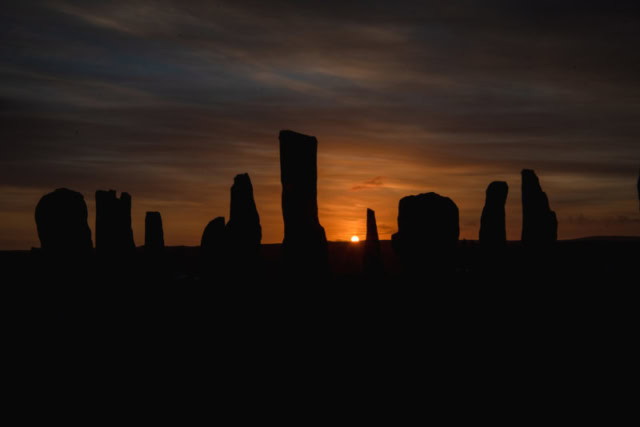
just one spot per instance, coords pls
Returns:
(493, 231)
(305, 243)
(243, 231)
(153, 232)
(372, 259)
(428, 230)
(539, 222)
(114, 235)
(61, 220)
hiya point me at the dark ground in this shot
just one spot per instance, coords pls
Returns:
(515, 329)
(595, 276)
(615, 256)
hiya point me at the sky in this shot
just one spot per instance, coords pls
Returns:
(169, 100)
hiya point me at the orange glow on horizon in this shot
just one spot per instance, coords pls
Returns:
(355, 239)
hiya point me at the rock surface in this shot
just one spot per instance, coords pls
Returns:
(153, 232)
(243, 231)
(372, 258)
(213, 251)
(493, 231)
(61, 220)
(539, 222)
(428, 229)
(213, 237)
(305, 243)
(114, 235)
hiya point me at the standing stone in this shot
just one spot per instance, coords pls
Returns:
(212, 251)
(212, 242)
(428, 230)
(493, 231)
(153, 233)
(243, 230)
(372, 260)
(639, 188)
(61, 220)
(305, 243)
(539, 222)
(114, 235)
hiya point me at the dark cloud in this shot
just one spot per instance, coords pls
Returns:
(168, 100)
(378, 181)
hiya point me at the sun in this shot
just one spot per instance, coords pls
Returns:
(355, 239)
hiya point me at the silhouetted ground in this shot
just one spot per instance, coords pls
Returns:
(539, 324)
(615, 256)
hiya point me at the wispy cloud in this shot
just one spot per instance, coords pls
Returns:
(378, 181)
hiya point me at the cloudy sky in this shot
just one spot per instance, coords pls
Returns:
(169, 100)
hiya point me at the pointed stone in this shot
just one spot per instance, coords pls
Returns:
(372, 227)
(114, 235)
(428, 230)
(305, 243)
(61, 220)
(153, 233)
(243, 230)
(539, 222)
(493, 231)
(372, 259)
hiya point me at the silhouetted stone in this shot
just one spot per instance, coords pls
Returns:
(372, 260)
(243, 230)
(539, 222)
(372, 227)
(213, 251)
(61, 220)
(428, 230)
(305, 243)
(213, 237)
(493, 232)
(114, 235)
(153, 233)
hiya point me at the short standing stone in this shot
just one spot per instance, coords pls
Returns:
(213, 237)
(61, 220)
(639, 188)
(114, 235)
(428, 229)
(213, 251)
(153, 232)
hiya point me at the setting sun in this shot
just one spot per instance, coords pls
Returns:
(355, 239)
